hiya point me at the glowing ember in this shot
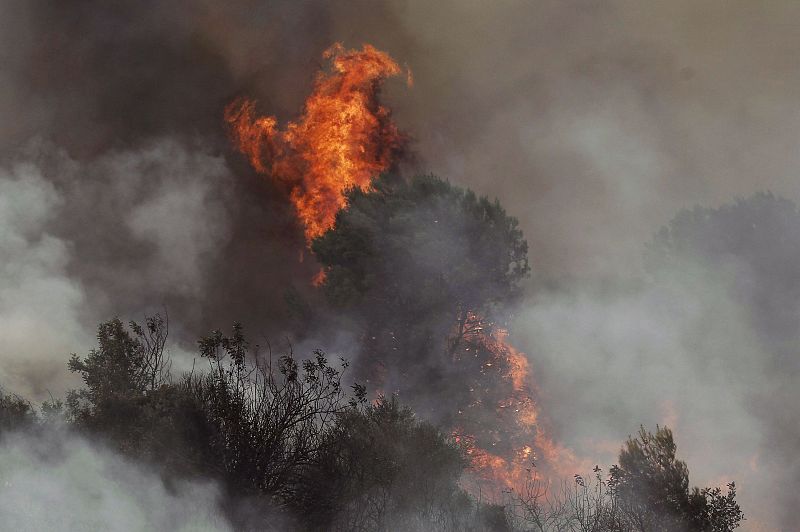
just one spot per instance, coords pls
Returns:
(319, 278)
(343, 139)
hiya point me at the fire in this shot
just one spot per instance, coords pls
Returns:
(343, 139)
(503, 450)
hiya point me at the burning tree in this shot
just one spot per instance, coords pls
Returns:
(422, 265)
(424, 270)
(424, 245)
(413, 264)
(412, 259)
(647, 491)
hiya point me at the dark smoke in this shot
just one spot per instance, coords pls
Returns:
(594, 123)
(125, 201)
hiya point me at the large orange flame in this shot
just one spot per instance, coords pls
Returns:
(343, 139)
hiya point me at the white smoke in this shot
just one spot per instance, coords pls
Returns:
(63, 482)
(39, 302)
(679, 352)
(150, 222)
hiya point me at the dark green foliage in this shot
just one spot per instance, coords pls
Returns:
(248, 424)
(270, 416)
(492, 518)
(126, 364)
(647, 492)
(118, 374)
(753, 229)
(15, 413)
(380, 468)
(652, 482)
(130, 402)
(748, 250)
(282, 436)
(652, 488)
(409, 261)
(753, 246)
(423, 245)
(721, 513)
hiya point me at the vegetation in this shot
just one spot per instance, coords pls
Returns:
(420, 245)
(420, 266)
(408, 263)
(15, 413)
(286, 437)
(269, 420)
(647, 491)
(381, 468)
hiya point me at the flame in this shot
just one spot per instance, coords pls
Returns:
(319, 278)
(343, 139)
(515, 441)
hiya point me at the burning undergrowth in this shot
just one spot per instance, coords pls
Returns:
(418, 262)
(501, 425)
(421, 273)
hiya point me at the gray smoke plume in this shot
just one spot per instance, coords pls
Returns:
(66, 483)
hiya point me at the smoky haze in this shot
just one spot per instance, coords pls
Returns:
(594, 123)
(66, 483)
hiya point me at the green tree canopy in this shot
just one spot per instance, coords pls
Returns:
(423, 245)
(410, 260)
(15, 413)
(380, 468)
(653, 489)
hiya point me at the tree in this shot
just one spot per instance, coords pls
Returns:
(380, 468)
(652, 487)
(748, 250)
(15, 413)
(424, 245)
(270, 416)
(753, 246)
(410, 261)
(647, 492)
(250, 422)
(587, 504)
(118, 374)
(130, 402)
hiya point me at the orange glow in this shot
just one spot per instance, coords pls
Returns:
(515, 441)
(343, 139)
(319, 278)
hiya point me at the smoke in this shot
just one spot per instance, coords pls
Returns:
(706, 345)
(62, 482)
(86, 240)
(679, 353)
(119, 112)
(593, 123)
(39, 303)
